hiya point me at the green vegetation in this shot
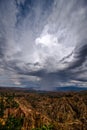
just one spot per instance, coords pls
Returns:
(44, 127)
(12, 123)
(7, 102)
(10, 102)
(1, 107)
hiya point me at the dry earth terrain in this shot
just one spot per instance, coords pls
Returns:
(32, 110)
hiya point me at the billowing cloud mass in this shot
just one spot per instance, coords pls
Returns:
(43, 43)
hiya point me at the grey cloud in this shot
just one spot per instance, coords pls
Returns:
(2, 47)
(80, 55)
(60, 26)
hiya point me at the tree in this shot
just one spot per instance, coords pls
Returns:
(1, 107)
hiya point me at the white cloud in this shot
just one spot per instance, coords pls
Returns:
(48, 46)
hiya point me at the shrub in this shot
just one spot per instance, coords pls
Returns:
(44, 127)
(1, 107)
(12, 123)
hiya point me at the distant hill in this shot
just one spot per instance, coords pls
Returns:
(70, 88)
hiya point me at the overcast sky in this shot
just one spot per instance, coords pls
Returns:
(43, 43)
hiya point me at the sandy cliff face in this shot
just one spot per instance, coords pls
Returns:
(32, 118)
(62, 111)
(65, 112)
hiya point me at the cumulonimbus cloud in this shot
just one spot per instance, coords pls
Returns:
(44, 39)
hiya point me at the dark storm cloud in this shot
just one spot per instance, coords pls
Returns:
(24, 8)
(80, 55)
(28, 7)
(2, 47)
